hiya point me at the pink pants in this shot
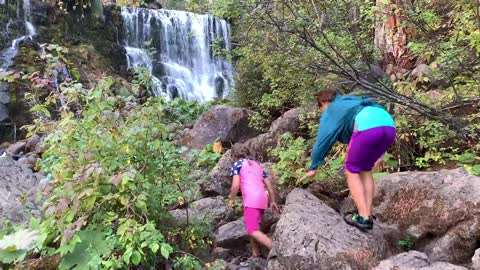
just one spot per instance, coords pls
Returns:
(252, 218)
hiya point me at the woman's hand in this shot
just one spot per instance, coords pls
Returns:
(310, 173)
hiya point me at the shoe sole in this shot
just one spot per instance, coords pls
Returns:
(358, 226)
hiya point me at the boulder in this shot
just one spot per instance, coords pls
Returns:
(413, 260)
(405, 261)
(32, 143)
(288, 122)
(28, 162)
(213, 210)
(16, 183)
(220, 123)
(476, 260)
(16, 148)
(311, 235)
(439, 210)
(260, 146)
(232, 235)
(219, 180)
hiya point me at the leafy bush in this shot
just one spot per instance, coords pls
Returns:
(115, 176)
(292, 159)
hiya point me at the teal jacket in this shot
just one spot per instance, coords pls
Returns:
(336, 124)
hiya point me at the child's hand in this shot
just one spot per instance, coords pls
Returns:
(231, 203)
(274, 207)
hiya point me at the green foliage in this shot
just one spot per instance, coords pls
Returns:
(228, 9)
(433, 138)
(406, 244)
(206, 158)
(182, 111)
(115, 174)
(143, 78)
(187, 262)
(292, 159)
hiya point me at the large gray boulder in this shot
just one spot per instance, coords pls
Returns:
(414, 260)
(232, 235)
(311, 235)
(288, 122)
(440, 211)
(17, 183)
(476, 260)
(259, 147)
(220, 123)
(212, 210)
(219, 180)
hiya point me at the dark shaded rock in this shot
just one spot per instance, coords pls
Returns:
(311, 235)
(222, 253)
(414, 260)
(16, 182)
(119, 59)
(154, 5)
(439, 210)
(223, 123)
(269, 218)
(219, 180)
(232, 235)
(16, 148)
(253, 263)
(213, 210)
(4, 114)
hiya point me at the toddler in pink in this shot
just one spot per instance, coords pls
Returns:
(251, 179)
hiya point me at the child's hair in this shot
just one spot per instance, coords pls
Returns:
(239, 151)
(327, 95)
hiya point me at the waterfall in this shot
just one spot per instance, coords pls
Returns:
(177, 47)
(24, 14)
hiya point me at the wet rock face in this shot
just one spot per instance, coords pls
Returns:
(311, 235)
(439, 210)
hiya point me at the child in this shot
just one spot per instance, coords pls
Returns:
(251, 179)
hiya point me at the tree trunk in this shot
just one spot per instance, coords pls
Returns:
(391, 38)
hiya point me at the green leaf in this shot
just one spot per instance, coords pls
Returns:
(136, 257)
(42, 109)
(154, 247)
(92, 246)
(165, 250)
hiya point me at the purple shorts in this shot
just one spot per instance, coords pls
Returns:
(367, 146)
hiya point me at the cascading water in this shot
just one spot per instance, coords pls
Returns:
(24, 14)
(177, 47)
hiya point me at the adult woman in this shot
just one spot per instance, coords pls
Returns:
(369, 130)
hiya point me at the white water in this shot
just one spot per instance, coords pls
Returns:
(182, 60)
(7, 55)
